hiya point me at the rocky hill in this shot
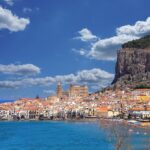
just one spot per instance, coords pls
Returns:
(133, 64)
(142, 43)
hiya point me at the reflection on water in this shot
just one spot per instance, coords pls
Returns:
(125, 137)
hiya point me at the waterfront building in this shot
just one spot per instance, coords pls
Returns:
(107, 111)
(4, 113)
(140, 113)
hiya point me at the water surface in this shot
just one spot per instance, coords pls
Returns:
(55, 135)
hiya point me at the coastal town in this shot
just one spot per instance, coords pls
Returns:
(76, 103)
(75, 75)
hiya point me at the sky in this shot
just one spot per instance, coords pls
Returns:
(46, 42)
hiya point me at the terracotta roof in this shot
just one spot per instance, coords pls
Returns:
(102, 109)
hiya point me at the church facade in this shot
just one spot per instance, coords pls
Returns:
(72, 91)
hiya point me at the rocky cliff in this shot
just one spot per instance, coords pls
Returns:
(133, 66)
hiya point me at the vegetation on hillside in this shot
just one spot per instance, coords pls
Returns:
(142, 87)
(140, 43)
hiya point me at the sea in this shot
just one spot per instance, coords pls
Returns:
(71, 135)
(6, 101)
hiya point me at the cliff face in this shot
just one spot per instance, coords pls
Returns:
(132, 68)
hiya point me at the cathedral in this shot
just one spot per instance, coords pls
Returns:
(72, 91)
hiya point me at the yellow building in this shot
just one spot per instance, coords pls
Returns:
(143, 98)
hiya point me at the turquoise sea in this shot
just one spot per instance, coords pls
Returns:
(59, 135)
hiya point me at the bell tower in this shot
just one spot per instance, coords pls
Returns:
(59, 90)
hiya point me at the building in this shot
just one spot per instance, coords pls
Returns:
(106, 112)
(72, 91)
(144, 92)
(140, 113)
(59, 90)
(75, 91)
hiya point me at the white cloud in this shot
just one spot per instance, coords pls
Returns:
(97, 77)
(9, 2)
(10, 84)
(86, 35)
(139, 29)
(25, 69)
(10, 21)
(105, 49)
(27, 10)
(47, 81)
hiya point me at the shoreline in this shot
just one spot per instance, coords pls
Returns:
(40, 120)
(127, 123)
(144, 125)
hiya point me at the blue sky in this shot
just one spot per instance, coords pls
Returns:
(42, 43)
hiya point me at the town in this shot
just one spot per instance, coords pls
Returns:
(77, 103)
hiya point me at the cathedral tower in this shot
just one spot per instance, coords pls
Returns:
(59, 90)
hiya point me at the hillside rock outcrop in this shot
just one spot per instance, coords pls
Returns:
(132, 68)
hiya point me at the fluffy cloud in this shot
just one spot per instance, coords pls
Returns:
(9, 2)
(86, 35)
(139, 29)
(25, 69)
(97, 77)
(12, 22)
(105, 49)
